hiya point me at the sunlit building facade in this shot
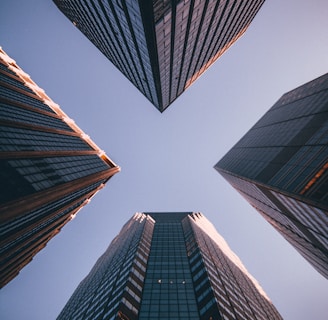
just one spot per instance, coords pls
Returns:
(169, 266)
(280, 167)
(49, 168)
(163, 46)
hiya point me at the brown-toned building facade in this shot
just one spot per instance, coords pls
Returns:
(49, 168)
(280, 167)
(169, 266)
(161, 46)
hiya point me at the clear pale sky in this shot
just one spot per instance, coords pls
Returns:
(167, 159)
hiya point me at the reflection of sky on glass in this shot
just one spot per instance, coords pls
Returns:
(167, 159)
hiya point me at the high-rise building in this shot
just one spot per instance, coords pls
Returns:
(169, 266)
(162, 47)
(280, 167)
(49, 168)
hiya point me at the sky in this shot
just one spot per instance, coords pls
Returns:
(167, 159)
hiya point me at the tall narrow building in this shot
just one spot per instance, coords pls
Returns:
(169, 266)
(49, 169)
(163, 46)
(280, 167)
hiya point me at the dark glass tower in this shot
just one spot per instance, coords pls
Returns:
(163, 46)
(49, 168)
(280, 167)
(169, 266)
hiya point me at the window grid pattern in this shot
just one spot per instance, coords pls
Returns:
(22, 239)
(31, 134)
(235, 294)
(137, 42)
(36, 228)
(29, 240)
(253, 194)
(314, 219)
(286, 152)
(187, 39)
(15, 82)
(229, 21)
(160, 266)
(290, 140)
(307, 89)
(21, 139)
(42, 212)
(167, 47)
(114, 285)
(206, 301)
(286, 216)
(296, 173)
(20, 115)
(168, 290)
(316, 223)
(20, 97)
(4, 67)
(116, 29)
(43, 173)
(124, 38)
(304, 245)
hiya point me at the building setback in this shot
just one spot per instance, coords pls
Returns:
(280, 167)
(49, 169)
(163, 46)
(169, 266)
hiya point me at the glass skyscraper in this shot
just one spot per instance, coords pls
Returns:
(169, 266)
(161, 46)
(49, 168)
(280, 167)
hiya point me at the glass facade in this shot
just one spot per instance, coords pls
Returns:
(113, 288)
(162, 47)
(169, 266)
(49, 168)
(168, 291)
(280, 167)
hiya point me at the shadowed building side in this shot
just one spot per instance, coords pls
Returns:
(49, 169)
(162, 47)
(280, 167)
(169, 266)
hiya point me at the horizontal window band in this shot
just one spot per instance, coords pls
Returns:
(44, 154)
(29, 108)
(23, 205)
(15, 124)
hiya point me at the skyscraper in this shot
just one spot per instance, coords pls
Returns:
(49, 168)
(162, 47)
(280, 167)
(169, 266)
